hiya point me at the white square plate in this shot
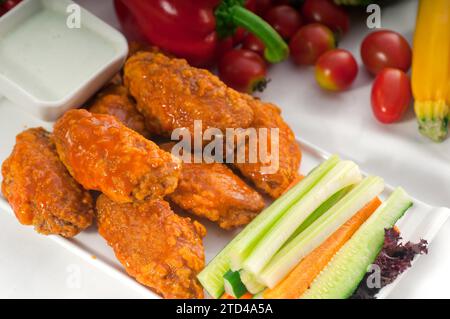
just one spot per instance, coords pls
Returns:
(421, 221)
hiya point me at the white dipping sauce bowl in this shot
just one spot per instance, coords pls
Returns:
(49, 63)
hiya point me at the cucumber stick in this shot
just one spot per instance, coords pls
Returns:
(344, 174)
(251, 283)
(212, 276)
(233, 284)
(308, 240)
(345, 271)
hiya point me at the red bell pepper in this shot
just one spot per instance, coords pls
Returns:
(194, 29)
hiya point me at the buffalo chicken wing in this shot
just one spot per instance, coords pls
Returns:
(171, 94)
(213, 191)
(160, 249)
(274, 183)
(40, 189)
(115, 101)
(102, 154)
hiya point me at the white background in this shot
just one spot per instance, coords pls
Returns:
(34, 267)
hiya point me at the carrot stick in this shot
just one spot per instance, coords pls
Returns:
(301, 277)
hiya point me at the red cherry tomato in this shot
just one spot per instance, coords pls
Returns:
(243, 70)
(385, 49)
(391, 95)
(239, 36)
(336, 70)
(310, 42)
(9, 4)
(262, 6)
(253, 43)
(285, 19)
(328, 13)
(224, 46)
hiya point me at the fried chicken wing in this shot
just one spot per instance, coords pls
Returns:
(171, 94)
(40, 189)
(114, 100)
(267, 115)
(213, 191)
(103, 154)
(160, 249)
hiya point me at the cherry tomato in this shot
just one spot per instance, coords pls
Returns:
(2, 11)
(253, 43)
(328, 13)
(285, 19)
(262, 6)
(310, 42)
(336, 70)
(239, 36)
(9, 4)
(243, 70)
(385, 49)
(223, 46)
(391, 95)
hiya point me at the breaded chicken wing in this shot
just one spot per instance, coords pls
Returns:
(160, 249)
(114, 100)
(213, 191)
(40, 189)
(103, 154)
(171, 94)
(267, 115)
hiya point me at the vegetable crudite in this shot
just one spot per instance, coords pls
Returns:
(345, 271)
(316, 241)
(212, 276)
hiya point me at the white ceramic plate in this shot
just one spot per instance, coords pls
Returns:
(421, 221)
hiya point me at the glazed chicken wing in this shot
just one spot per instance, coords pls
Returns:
(103, 154)
(171, 94)
(213, 191)
(267, 115)
(115, 101)
(160, 249)
(40, 189)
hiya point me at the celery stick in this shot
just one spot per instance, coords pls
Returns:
(345, 271)
(320, 211)
(251, 283)
(233, 284)
(289, 256)
(212, 276)
(344, 174)
(265, 220)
